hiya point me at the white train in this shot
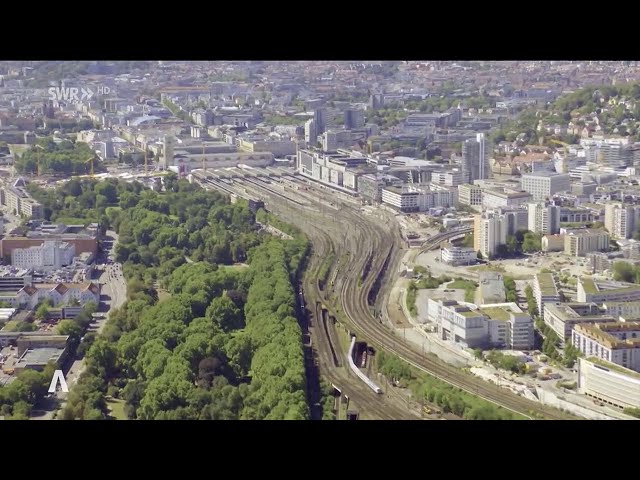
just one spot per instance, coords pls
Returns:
(357, 371)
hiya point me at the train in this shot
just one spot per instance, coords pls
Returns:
(357, 371)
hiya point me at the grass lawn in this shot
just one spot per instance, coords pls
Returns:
(462, 284)
(73, 221)
(116, 408)
(10, 325)
(162, 295)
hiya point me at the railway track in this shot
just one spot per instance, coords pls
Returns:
(380, 241)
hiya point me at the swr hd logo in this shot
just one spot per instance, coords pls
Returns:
(74, 94)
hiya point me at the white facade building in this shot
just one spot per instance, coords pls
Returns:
(458, 256)
(49, 255)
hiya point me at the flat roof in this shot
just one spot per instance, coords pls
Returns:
(496, 313)
(39, 356)
(614, 367)
(547, 284)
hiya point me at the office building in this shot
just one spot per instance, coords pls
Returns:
(329, 141)
(310, 133)
(543, 218)
(449, 179)
(496, 199)
(563, 317)
(579, 242)
(544, 184)
(49, 255)
(608, 382)
(602, 291)
(545, 290)
(458, 256)
(353, 118)
(552, 243)
(417, 199)
(18, 201)
(469, 194)
(501, 325)
(320, 120)
(475, 165)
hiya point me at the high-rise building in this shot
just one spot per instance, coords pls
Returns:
(329, 142)
(489, 232)
(544, 218)
(353, 118)
(474, 159)
(320, 120)
(310, 133)
(621, 220)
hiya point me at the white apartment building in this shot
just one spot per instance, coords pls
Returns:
(622, 309)
(621, 220)
(490, 231)
(545, 290)
(458, 255)
(542, 185)
(58, 293)
(49, 255)
(615, 342)
(544, 218)
(609, 383)
(590, 290)
(469, 195)
(580, 242)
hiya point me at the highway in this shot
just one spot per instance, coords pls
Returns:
(380, 243)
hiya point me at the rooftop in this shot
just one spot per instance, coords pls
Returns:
(591, 287)
(547, 284)
(496, 313)
(614, 367)
(39, 357)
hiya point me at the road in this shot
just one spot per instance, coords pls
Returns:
(113, 293)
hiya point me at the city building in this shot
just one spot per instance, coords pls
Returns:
(58, 293)
(615, 342)
(449, 179)
(491, 288)
(621, 220)
(35, 352)
(609, 383)
(475, 165)
(49, 255)
(502, 325)
(543, 218)
(544, 184)
(579, 242)
(353, 118)
(469, 194)
(18, 201)
(410, 198)
(622, 310)
(552, 243)
(495, 198)
(563, 317)
(545, 290)
(490, 231)
(602, 291)
(320, 120)
(310, 133)
(458, 255)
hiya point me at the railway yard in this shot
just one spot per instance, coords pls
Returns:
(365, 252)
